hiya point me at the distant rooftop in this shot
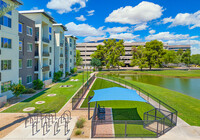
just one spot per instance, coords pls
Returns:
(60, 24)
(100, 40)
(37, 12)
(71, 36)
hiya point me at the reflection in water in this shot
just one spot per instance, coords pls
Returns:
(189, 87)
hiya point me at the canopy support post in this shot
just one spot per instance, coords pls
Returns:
(89, 107)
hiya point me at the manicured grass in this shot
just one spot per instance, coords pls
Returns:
(51, 103)
(171, 73)
(188, 107)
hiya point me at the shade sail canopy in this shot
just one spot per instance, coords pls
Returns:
(116, 93)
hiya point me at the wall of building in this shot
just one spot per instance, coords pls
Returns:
(24, 54)
(10, 53)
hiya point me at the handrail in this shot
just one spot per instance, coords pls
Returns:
(31, 121)
(33, 125)
(70, 116)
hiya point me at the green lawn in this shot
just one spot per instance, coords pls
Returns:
(188, 107)
(171, 73)
(51, 103)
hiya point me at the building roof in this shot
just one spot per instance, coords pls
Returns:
(39, 12)
(178, 46)
(116, 94)
(61, 25)
(71, 36)
(18, 1)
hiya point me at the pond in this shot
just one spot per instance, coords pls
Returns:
(186, 86)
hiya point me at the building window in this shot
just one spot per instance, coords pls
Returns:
(20, 45)
(49, 37)
(29, 31)
(29, 79)
(5, 64)
(70, 52)
(70, 60)
(50, 49)
(49, 61)
(20, 63)
(50, 74)
(20, 28)
(29, 47)
(6, 43)
(5, 86)
(50, 30)
(20, 80)
(29, 63)
(5, 21)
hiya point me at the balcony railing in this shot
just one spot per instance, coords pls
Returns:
(36, 68)
(36, 53)
(45, 54)
(61, 55)
(45, 68)
(36, 38)
(61, 44)
(44, 39)
(61, 66)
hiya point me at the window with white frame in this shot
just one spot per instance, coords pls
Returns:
(5, 64)
(20, 63)
(20, 45)
(20, 28)
(29, 47)
(29, 31)
(29, 79)
(29, 63)
(6, 43)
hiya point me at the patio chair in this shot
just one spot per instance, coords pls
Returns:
(101, 109)
(101, 116)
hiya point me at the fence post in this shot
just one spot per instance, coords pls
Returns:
(125, 128)
(88, 108)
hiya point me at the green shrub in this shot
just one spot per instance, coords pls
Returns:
(38, 84)
(29, 91)
(72, 71)
(80, 123)
(66, 74)
(57, 76)
(75, 70)
(78, 132)
(17, 89)
(94, 69)
(100, 69)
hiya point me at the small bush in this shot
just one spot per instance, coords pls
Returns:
(57, 76)
(100, 69)
(17, 89)
(38, 84)
(75, 70)
(78, 132)
(29, 91)
(66, 74)
(80, 123)
(72, 71)
(94, 69)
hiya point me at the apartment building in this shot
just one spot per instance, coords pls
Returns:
(59, 49)
(88, 48)
(44, 44)
(9, 50)
(70, 52)
(26, 29)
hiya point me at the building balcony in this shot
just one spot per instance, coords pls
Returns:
(61, 44)
(36, 53)
(36, 68)
(45, 39)
(61, 66)
(45, 54)
(36, 38)
(61, 55)
(45, 68)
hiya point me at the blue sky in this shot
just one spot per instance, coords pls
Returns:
(171, 21)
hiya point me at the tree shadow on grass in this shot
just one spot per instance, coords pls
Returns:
(125, 114)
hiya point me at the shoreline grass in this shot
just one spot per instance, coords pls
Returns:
(165, 73)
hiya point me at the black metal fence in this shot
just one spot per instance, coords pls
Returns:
(155, 122)
(81, 92)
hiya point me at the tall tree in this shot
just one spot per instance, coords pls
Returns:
(95, 62)
(79, 59)
(114, 50)
(186, 57)
(154, 52)
(170, 57)
(138, 57)
(195, 59)
(100, 54)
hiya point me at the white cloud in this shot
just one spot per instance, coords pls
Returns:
(65, 6)
(142, 13)
(90, 13)
(83, 30)
(195, 50)
(81, 18)
(117, 29)
(89, 38)
(169, 36)
(140, 27)
(34, 8)
(152, 31)
(184, 19)
(124, 36)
